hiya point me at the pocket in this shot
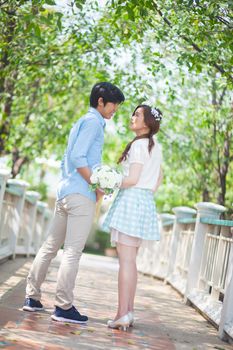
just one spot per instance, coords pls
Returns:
(77, 204)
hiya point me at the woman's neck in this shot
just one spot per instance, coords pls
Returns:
(142, 135)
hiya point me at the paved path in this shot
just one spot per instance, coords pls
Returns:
(163, 321)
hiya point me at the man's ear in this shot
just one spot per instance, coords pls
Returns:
(100, 101)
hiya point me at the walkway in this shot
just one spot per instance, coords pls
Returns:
(163, 321)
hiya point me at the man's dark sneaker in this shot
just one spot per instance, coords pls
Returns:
(71, 315)
(32, 305)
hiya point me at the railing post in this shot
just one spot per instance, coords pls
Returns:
(27, 223)
(153, 256)
(162, 260)
(226, 320)
(204, 209)
(180, 213)
(17, 189)
(4, 176)
(166, 219)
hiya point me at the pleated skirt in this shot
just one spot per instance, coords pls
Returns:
(133, 212)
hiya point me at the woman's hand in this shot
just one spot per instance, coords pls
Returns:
(135, 170)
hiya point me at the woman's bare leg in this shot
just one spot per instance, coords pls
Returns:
(127, 279)
(134, 286)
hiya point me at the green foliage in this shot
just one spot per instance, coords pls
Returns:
(45, 82)
(42, 188)
(199, 32)
(103, 241)
(175, 55)
(187, 50)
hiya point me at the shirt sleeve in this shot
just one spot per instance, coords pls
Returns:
(87, 133)
(138, 153)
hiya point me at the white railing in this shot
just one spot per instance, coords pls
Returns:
(22, 226)
(4, 176)
(27, 226)
(196, 258)
(154, 256)
(162, 258)
(12, 207)
(182, 236)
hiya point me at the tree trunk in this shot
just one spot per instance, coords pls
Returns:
(205, 195)
(7, 82)
(223, 162)
(223, 170)
(17, 162)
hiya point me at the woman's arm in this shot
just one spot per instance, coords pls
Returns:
(160, 178)
(135, 170)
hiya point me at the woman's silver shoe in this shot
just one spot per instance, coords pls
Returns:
(131, 318)
(122, 323)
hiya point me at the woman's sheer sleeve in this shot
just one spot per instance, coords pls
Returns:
(138, 153)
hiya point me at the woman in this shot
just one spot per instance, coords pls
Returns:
(132, 216)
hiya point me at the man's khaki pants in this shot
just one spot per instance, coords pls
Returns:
(71, 225)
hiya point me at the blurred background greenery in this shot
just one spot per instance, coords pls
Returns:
(173, 55)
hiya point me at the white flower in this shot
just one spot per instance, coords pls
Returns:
(94, 178)
(105, 178)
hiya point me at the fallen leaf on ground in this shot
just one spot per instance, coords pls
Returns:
(76, 332)
(12, 339)
(91, 329)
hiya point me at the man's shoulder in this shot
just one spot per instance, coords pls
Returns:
(86, 120)
(89, 117)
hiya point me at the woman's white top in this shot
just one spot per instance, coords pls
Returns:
(139, 153)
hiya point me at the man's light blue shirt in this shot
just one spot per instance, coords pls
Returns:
(84, 149)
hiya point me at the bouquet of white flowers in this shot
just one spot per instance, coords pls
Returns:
(105, 178)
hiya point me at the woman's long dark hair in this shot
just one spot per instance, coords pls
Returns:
(151, 122)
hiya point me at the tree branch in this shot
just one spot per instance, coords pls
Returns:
(222, 96)
(194, 45)
(3, 3)
(222, 20)
(9, 13)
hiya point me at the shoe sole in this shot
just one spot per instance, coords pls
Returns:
(117, 326)
(32, 309)
(66, 320)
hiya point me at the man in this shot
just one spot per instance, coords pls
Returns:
(75, 206)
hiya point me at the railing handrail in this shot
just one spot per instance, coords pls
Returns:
(186, 220)
(32, 197)
(14, 191)
(168, 222)
(217, 222)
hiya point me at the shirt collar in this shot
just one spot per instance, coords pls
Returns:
(98, 115)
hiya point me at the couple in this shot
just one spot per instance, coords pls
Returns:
(132, 216)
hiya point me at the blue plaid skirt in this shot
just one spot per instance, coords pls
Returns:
(133, 212)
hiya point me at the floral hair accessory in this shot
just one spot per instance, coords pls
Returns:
(156, 114)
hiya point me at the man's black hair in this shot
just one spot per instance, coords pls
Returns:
(109, 93)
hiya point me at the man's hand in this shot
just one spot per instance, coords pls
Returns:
(85, 173)
(99, 194)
